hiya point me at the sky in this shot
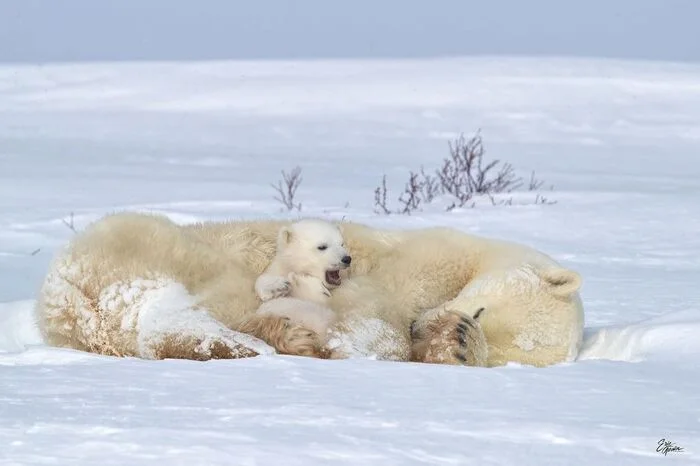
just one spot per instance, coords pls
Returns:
(94, 30)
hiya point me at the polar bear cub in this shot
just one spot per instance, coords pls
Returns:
(297, 284)
(308, 247)
(306, 304)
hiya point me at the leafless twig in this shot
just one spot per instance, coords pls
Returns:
(380, 198)
(287, 188)
(534, 183)
(70, 224)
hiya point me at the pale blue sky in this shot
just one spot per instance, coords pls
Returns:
(69, 30)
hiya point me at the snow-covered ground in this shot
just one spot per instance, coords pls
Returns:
(619, 141)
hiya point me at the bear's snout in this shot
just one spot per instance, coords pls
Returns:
(346, 260)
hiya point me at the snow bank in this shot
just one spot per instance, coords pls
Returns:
(17, 327)
(671, 336)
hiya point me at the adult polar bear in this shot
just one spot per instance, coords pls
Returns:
(140, 285)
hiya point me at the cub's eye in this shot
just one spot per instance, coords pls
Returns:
(322, 247)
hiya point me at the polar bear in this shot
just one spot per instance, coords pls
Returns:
(407, 295)
(296, 285)
(435, 281)
(306, 303)
(307, 247)
(139, 285)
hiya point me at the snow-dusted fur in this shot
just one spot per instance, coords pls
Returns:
(407, 295)
(306, 304)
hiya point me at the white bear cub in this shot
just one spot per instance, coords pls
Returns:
(307, 247)
(306, 304)
(297, 284)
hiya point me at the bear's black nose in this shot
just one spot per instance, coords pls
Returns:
(346, 260)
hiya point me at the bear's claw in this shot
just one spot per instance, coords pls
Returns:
(451, 338)
(462, 339)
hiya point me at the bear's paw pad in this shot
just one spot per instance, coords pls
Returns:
(301, 341)
(451, 338)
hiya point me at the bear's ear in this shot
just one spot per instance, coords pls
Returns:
(292, 278)
(285, 235)
(562, 282)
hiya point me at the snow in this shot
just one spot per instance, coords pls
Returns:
(619, 142)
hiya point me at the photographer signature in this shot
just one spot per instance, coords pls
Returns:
(665, 446)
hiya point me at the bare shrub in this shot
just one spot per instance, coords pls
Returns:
(462, 175)
(429, 186)
(380, 198)
(287, 188)
(534, 183)
(410, 199)
(421, 188)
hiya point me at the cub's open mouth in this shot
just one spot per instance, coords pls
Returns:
(333, 277)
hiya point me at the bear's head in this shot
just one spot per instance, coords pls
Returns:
(314, 247)
(529, 313)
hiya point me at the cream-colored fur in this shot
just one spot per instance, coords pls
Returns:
(432, 280)
(307, 304)
(307, 247)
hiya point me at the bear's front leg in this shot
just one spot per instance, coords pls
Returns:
(269, 286)
(190, 333)
(185, 345)
(442, 336)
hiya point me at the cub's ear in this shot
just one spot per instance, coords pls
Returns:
(562, 282)
(292, 278)
(285, 235)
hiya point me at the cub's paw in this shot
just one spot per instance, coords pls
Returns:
(450, 338)
(270, 287)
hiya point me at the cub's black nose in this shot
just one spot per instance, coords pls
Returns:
(346, 260)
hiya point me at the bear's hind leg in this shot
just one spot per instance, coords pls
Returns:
(448, 337)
